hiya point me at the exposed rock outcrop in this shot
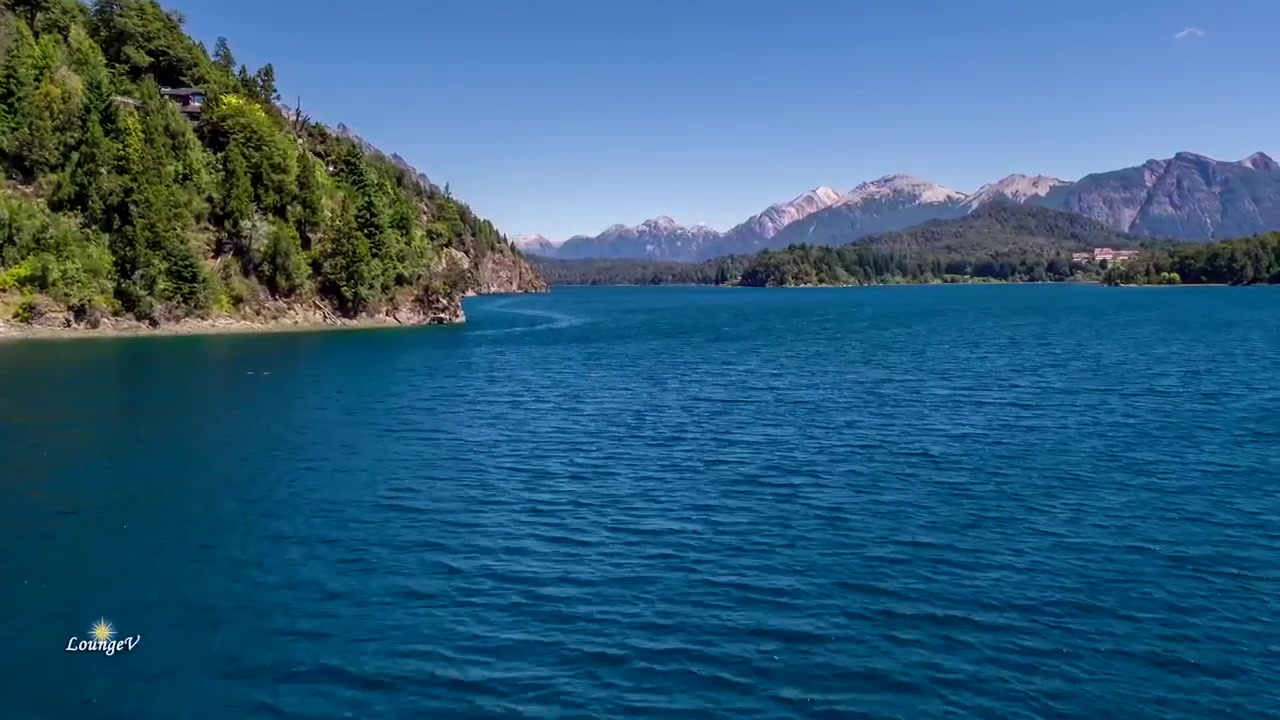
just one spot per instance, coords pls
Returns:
(507, 271)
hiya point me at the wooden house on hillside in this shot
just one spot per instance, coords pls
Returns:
(190, 101)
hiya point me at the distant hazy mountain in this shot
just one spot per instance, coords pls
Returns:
(664, 239)
(1187, 197)
(535, 244)
(659, 239)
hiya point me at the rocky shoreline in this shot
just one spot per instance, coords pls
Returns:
(294, 319)
(496, 273)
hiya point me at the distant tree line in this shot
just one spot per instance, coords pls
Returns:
(1243, 261)
(638, 271)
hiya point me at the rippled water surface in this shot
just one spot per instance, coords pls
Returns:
(916, 502)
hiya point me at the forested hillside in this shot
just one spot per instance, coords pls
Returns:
(1016, 243)
(117, 204)
(1000, 241)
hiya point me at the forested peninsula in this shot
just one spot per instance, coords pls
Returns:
(151, 183)
(1000, 242)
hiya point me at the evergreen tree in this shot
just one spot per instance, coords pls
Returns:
(309, 208)
(223, 58)
(19, 79)
(233, 207)
(86, 185)
(53, 125)
(345, 262)
(283, 267)
(264, 82)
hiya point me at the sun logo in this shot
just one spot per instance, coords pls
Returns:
(102, 639)
(102, 630)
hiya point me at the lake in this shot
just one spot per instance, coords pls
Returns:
(917, 502)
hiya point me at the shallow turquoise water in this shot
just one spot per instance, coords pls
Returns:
(916, 502)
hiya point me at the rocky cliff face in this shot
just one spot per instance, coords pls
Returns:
(506, 271)
(456, 276)
(1187, 197)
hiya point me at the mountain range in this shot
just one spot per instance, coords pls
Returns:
(1187, 197)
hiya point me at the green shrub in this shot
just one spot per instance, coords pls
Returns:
(27, 311)
(283, 268)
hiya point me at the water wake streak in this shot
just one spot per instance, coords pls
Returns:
(557, 320)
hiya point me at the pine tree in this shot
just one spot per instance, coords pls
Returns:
(370, 214)
(223, 58)
(265, 83)
(233, 206)
(309, 208)
(19, 79)
(345, 262)
(54, 125)
(283, 269)
(86, 185)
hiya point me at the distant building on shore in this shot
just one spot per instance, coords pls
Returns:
(1108, 254)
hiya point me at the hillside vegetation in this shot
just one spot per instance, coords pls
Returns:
(1016, 243)
(1243, 261)
(116, 204)
(1001, 241)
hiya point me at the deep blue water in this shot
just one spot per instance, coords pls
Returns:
(914, 502)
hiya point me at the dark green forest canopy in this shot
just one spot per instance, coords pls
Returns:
(117, 203)
(1001, 242)
(1243, 261)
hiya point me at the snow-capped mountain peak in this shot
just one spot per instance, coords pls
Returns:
(1260, 161)
(1017, 187)
(660, 223)
(821, 195)
(536, 244)
(779, 215)
(901, 187)
(532, 239)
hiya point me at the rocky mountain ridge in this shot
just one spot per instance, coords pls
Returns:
(1187, 197)
(1017, 188)
(660, 238)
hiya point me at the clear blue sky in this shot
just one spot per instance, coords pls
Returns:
(564, 116)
